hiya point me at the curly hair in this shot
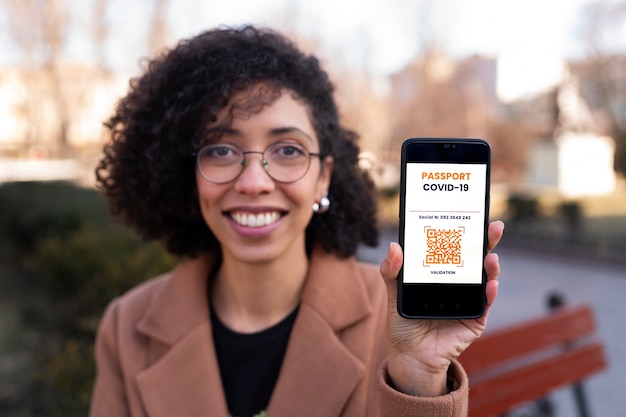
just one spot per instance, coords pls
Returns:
(148, 170)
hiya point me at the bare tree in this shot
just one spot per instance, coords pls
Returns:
(429, 102)
(601, 26)
(39, 28)
(26, 38)
(55, 18)
(157, 38)
(603, 71)
(56, 90)
(100, 32)
(435, 95)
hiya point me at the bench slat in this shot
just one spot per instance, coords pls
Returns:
(502, 345)
(499, 394)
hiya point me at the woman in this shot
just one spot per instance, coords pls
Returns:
(230, 150)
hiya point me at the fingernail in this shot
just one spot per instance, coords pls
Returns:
(389, 257)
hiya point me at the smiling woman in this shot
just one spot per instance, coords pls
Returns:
(278, 187)
(230, 149)
(177, 108)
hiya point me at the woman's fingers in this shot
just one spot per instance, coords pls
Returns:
(494, 233)
(390, 268)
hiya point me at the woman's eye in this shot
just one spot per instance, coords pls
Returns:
(290, 151)
(221, 152)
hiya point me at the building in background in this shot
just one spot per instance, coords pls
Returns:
(39, 141)
(575, 158)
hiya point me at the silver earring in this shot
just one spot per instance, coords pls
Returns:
(322, 206)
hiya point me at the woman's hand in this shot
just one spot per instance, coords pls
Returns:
(422, 350)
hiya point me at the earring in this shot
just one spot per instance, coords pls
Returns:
(322, 206)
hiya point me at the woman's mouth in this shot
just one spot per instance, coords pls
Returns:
(255, 219)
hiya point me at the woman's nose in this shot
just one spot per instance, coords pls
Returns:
(254, 179)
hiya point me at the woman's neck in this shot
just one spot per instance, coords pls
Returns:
(251, 297)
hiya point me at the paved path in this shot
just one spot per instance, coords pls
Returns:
(525, 281)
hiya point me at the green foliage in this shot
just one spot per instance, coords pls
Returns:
(72, 260)
(522, 207)
(572, 213)
(90, 267)
(66, 380)
(32, 211)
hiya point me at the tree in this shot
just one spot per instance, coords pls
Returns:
(603, 71)
(100, 32)
(39, 29)
(157, 38)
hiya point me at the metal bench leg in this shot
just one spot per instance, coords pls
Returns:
(556, 301)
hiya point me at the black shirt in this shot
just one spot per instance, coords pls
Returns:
(250, 363)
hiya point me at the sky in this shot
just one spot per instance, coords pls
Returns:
(386, 33)
(380, 36)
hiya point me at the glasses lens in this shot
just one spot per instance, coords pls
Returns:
(220, 163)
(283, 161)
(286, 162)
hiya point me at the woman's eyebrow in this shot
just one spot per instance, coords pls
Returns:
(222, 131)
(291, 130)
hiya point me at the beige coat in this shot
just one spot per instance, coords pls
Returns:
(155, 355)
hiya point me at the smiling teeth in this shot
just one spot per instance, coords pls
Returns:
(255, 220)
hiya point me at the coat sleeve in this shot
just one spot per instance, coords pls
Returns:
(109, 394)
(387, 400)
(395, 403)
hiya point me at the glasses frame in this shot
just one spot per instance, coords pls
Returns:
(264, 163)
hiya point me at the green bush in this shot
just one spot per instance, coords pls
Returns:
(85, 271)
(32, 211)
(81, 275)
(71, 259)
(572, 213)
(522, 207)
(67, 380)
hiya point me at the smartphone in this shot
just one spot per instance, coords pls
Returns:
(444, 215)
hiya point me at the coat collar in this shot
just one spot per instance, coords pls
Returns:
(185, 380)
(319, 371)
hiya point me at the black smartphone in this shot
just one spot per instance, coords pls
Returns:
(444, 215)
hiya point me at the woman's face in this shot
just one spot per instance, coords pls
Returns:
(255, 218)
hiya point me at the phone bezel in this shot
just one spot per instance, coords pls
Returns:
(443, 301)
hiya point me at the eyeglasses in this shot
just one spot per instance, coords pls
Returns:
(284, 162)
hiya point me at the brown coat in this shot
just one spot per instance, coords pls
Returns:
(155, 355)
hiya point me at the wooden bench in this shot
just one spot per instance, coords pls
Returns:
(524, 362)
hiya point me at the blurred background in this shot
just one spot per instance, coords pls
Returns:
(543, 81)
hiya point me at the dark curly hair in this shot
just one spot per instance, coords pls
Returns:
(148, 170)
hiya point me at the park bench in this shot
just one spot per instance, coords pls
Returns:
(523, 363)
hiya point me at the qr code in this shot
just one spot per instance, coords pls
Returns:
(443, 246)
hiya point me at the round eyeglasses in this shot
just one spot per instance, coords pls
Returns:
(284, 162)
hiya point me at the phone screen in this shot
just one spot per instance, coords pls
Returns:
(444, 205)
(444, 223)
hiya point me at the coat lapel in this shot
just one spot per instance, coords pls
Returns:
(320, 372)
(184, 380)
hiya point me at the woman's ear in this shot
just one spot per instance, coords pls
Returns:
(326, 173)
